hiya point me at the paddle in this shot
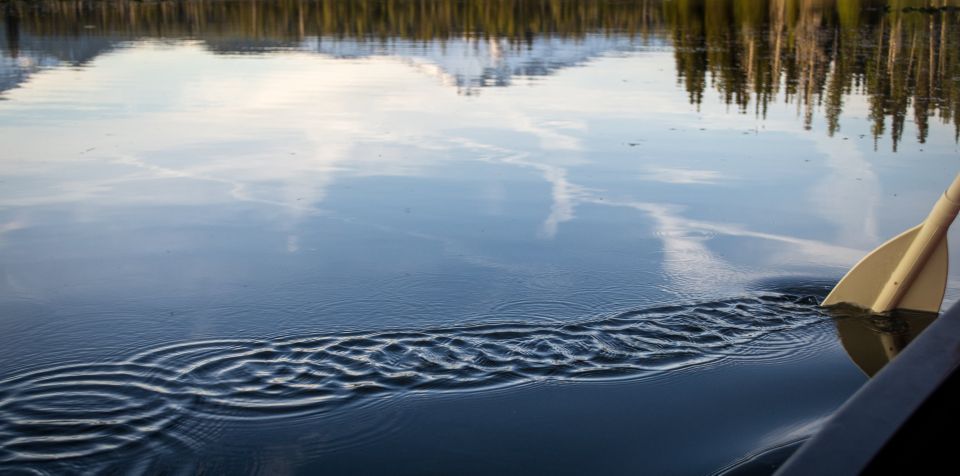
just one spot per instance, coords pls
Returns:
(907, 272)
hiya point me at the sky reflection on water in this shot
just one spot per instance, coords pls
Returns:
(207, 185)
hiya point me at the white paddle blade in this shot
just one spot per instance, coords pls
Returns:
(862, 285)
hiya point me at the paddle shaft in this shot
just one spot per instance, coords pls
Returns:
(934, 230)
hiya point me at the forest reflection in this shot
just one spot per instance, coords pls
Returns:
(903, 55)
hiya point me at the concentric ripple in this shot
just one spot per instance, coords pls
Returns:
(80, 410)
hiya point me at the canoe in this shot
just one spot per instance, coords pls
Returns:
(901, 420)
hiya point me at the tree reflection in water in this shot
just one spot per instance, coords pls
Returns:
(904, 55)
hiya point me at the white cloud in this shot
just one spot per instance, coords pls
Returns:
(683, 176)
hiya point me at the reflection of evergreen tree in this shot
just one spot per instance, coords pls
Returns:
(411, 19)
(819, 51)
(691, 57)
(11, 23)
(813, 53)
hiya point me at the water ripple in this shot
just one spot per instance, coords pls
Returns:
(84, 409)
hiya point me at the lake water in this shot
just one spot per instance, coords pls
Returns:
(494, 237)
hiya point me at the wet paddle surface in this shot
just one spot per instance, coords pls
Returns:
(368, 237)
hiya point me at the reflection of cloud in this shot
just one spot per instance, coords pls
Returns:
(237, 189)
(550, 133)
(210, 121)
(682, 176)
(293, 243)
(849, 195)
(338, 117)
(688, 261)
(9, 226)
(68, 191)
(470, 63)
(564, 195)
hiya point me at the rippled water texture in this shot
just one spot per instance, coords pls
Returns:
(84, 409)
(449, 237)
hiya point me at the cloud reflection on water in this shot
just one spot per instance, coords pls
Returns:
(334, 122)
(182, 190)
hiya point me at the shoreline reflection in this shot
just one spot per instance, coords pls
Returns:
(813, 54)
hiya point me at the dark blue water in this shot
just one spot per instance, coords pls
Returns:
(300, 238)
(176, 399)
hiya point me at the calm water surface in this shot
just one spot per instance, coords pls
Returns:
(387, 236)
